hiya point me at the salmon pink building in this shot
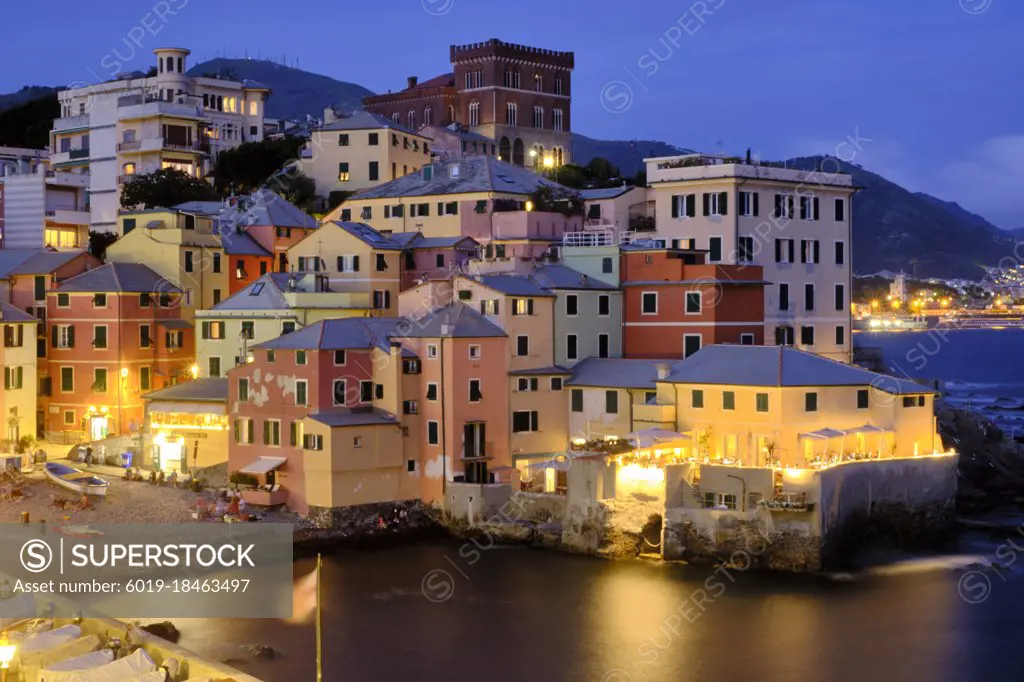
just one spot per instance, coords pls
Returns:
(115, 333)
(674, 303)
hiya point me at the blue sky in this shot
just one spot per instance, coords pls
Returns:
(929, 90)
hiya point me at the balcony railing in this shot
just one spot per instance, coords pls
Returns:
(69, 122)
(129, 146)
(79, 153)
(593, 238)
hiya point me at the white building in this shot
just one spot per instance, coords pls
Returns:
(139, 124)
(44, 208)
(796, 224)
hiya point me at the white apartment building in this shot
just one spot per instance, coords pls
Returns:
(44, 208)
(796, 224)
(142, 123)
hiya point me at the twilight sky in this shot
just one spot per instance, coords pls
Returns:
(930, 90)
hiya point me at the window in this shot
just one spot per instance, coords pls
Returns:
(99, 380)
(810, 402)
(607, 265)
(248, 329)
(524, 421)
(840, 253)
(99, 336)
(783, 206)
(295, 434)
(489, 307)
(99, 301)
(557, 120)
(410, 407)
(693, 302)
(761, 402)
(271, 356)
(373, 139)
(572, 305)
(144, 377)
(511, 114)
(602, 345)
(312, 441)
(784, 335)
(784, 250)
(840, 297)
(63, 300)
(527, 384)
(576, 399)
(691, 344)
(808, 297)
(365, 391)
(63, 336)
(649, 303)
(807, 335)
(432, 392)
(714, 249)
(243, 390)
(213, 367)
(728, 400)
(474, 114)
(189, 261)
(433, 433)
(39, 287)
(302, 392)
(522, 306)
(343, 174)
(783, 296)
(374, 171)
(697, 398)
(611, 402)
(571, 347)
(840, 335)
(69, 416)
(216, 263)
(209, 330)
(556, 384)
(475, 393)
(840, 210)
(348, 263)
(538, 117)
(145, 340)
(432, 351)
(746, 339)
(343, 140)
(684, 206)
(863, 397)
(439, 260)
(604, 305)
(272, 432)
(745, 249)
(522, 345)
(810, 251)
(67, 379)
(14, 378)
(809, 208)
(287, 327)
(748, 204)
(715, 203)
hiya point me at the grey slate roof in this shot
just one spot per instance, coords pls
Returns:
(618, 372)
(780, 366)
(238, 243)
(553, 370)
(476, 174)
(119, 278)
(262, 207)
(364, 120)
(563, 277)
(513, 285)
(12, 258)
(345, 416)
(9, 313)
(45, 262)
(266, 293)
(372, 237)
(349, 333)
(604, 193)
(456, 320)
(206, 390)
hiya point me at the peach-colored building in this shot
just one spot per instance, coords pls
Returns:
(18, 360)
(115, 334)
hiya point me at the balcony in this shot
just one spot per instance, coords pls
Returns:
(265, 498)
(70, 123)
(78, 154)
(68, 216)
(60, 179)
(596, 238)
(657, 416)
(138, 106)
(156, 144)
(706, 167)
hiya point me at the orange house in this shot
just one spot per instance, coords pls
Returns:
(674, 303)
(247, 260)
(115, 334)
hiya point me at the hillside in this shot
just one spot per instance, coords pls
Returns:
(894, 226)
(628, 155)
(28, 124)
(27, 93)
(295, 92)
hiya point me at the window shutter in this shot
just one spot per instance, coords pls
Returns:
(206, 330)
(707, 203)
(723, 203)
(483, 307)
(355, 263)
(529, 306)
(496, 306)
(20, 371)
(675, 206)
(71, 336)
(792, 246)
(778, 205)
(7, 378)
(817, 244)
(21, 335)
(778, 250)
(754, 196)
(53, 336)
(249, 430)
(266, 432)
(533, 421)
(815, 216)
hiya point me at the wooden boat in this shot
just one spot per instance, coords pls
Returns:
(76, 480)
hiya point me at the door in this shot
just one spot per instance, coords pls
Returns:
(691, 344)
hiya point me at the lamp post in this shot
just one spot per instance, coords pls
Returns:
(6, 655)
(121, 386)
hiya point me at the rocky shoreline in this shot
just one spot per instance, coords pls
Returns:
(991, 466)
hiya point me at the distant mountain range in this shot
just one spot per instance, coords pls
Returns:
(894, 227)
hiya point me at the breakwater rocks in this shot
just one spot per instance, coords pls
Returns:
(368, 525)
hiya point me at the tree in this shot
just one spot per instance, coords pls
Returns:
(28, 125)
(99, 241)
(296, 187)
(337, 198)
(601, 169)
(164, 188)
(249, 166)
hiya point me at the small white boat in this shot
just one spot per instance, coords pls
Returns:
(75, 479)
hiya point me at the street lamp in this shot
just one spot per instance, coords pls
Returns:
(6, 655)
(195, 371)
(549, 162)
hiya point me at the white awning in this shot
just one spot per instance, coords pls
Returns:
(263, 465)
(649, 437)
(867, 428)
(187, 408)
(823, 434)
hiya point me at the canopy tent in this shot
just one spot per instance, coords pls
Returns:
(167, 406)
(823, 434)
(866, 428)
(263, 465)
(649, 437)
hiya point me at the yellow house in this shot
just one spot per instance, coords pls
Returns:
(182, 248)
(606, 393)
(359, 151)
(18, 357)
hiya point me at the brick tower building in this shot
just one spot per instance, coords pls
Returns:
(518, 96)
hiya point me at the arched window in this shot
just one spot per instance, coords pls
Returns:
(428, 115)
(170, 64)
(396, 117)
(518, 153)
(511, 114)
(505, 150)
(538, 117)
(451, 114)
(411, 118)
(474, 114)
(181, 65)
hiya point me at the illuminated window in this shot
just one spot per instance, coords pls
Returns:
(129, 169)
(254, 108)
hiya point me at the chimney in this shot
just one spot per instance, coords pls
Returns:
(583, 280)
(329, 115)
(447, 329)
(412, 80)
(663, 371)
